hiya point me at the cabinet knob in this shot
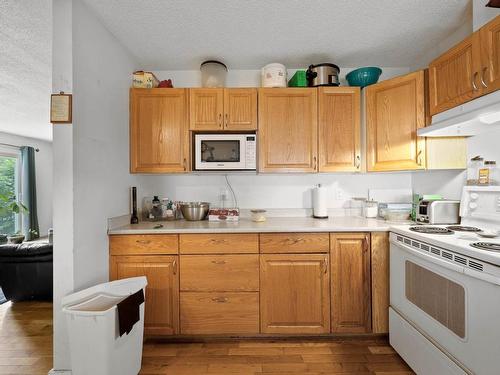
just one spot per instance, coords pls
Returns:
(226, 119)
(220, 120)
(357, 162)
(315, 165)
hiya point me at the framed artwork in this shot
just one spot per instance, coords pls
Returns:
(61, 108)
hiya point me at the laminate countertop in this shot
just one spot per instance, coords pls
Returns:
(272, 224)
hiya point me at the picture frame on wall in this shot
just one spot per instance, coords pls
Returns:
(61, 108)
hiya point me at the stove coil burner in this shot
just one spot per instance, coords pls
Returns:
(431, 230)
(462, 228)
(489, 246)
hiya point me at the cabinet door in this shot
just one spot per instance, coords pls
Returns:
(159, 134)
(288, 130)
(490, 56)
(240, 109)
(380, 281)
(339, 129)
(350, 260)
(162, 292)
(453, 76)
(395, 110)
(206, 108)
(295, 295)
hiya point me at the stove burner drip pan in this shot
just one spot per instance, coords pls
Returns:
(488, 246)
(431, 230)
(462, 228)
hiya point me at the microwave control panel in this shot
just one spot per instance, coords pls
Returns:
(251, 151)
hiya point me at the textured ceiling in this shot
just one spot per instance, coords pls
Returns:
(25, 67)
(247, 34)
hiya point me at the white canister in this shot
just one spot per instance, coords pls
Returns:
(274, 75)
(371, 209)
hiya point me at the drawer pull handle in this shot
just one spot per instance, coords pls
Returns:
(358, 162)
(294, 241)
(143, 242)
(218, 261)
(474, 87)
(325, 271)
(220, 299)
(482, 77)
(174, 266)
(217, 241)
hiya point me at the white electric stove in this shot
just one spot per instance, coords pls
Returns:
(445, 290)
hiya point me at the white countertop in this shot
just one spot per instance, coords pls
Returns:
(273, 224)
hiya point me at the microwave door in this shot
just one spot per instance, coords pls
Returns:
(219, 154)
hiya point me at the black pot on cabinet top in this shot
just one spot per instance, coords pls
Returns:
(325, 74)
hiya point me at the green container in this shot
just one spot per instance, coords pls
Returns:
(298, 80)
(363, 77)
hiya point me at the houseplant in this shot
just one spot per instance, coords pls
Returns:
(10, 205)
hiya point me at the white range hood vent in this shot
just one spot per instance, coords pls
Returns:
(477, 116)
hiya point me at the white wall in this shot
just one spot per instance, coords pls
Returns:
(93, 152)
(482, 14)
(43, 167)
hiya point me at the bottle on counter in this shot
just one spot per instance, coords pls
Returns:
(156, 212)
(475, 165)
(134, 219)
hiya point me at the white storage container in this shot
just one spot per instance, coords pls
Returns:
(213, 73)
(95, 343)
(274, 75)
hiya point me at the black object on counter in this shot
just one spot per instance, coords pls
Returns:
(129, 313)
(134, 219)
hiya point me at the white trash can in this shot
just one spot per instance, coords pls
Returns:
(93, 328)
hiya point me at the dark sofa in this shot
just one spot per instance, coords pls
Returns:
(26, 271)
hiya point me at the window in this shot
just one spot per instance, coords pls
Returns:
(9, 187)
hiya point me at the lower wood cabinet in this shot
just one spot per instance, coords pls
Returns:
(380, 281)
(294, 293)
(219, 313)
(350, 267)
(162, 292)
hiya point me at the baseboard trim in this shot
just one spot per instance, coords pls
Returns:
(59, 372)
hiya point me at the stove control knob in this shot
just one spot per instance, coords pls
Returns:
(474, 196)
(472, 205)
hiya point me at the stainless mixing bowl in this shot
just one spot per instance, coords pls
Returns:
(193, 211)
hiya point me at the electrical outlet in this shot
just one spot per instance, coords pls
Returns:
(339, 195)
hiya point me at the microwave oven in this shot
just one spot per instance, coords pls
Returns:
(213, 152)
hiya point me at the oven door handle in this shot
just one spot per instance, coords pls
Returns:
(430, 258)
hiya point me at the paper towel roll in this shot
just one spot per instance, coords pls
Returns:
(319, 198)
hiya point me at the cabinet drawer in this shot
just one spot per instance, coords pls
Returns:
(294, 243)
(218, 243)
(143, 244)
(219, 313)
(223, 273)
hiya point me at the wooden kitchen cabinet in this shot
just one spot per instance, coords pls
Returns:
(454, 76)
(159, 131)
(240, 109)
(288, 130)
(350, 272)
(490, 56)
(339, 126)
(223, 109)
(380, 281)
(395, 110)
(294, 293)
(162, 291)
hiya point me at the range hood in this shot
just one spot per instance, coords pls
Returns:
(475, 117)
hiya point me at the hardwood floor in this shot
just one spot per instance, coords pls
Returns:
(273, 357)
(25, 338)
(26, 348)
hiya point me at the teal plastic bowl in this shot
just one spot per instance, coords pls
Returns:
(363, 77)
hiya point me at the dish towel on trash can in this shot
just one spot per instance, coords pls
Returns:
(128, 312)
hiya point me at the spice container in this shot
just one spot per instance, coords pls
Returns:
(488, 173)
(475, 164)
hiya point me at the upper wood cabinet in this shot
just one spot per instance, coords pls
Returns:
(288, 130)
(240, 109)
(223, 109)
(159, 132)
(350, 262)
(339, 129)
(453, 76)
(294, 293)
(466, 71)
(162, 291)
(395, 110)
(490, 55)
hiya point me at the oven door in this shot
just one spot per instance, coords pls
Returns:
(456, 312)
(220, 152)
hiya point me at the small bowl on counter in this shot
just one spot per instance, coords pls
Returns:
(258, 215)
(194, 211)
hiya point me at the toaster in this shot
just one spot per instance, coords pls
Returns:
(440, 211)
